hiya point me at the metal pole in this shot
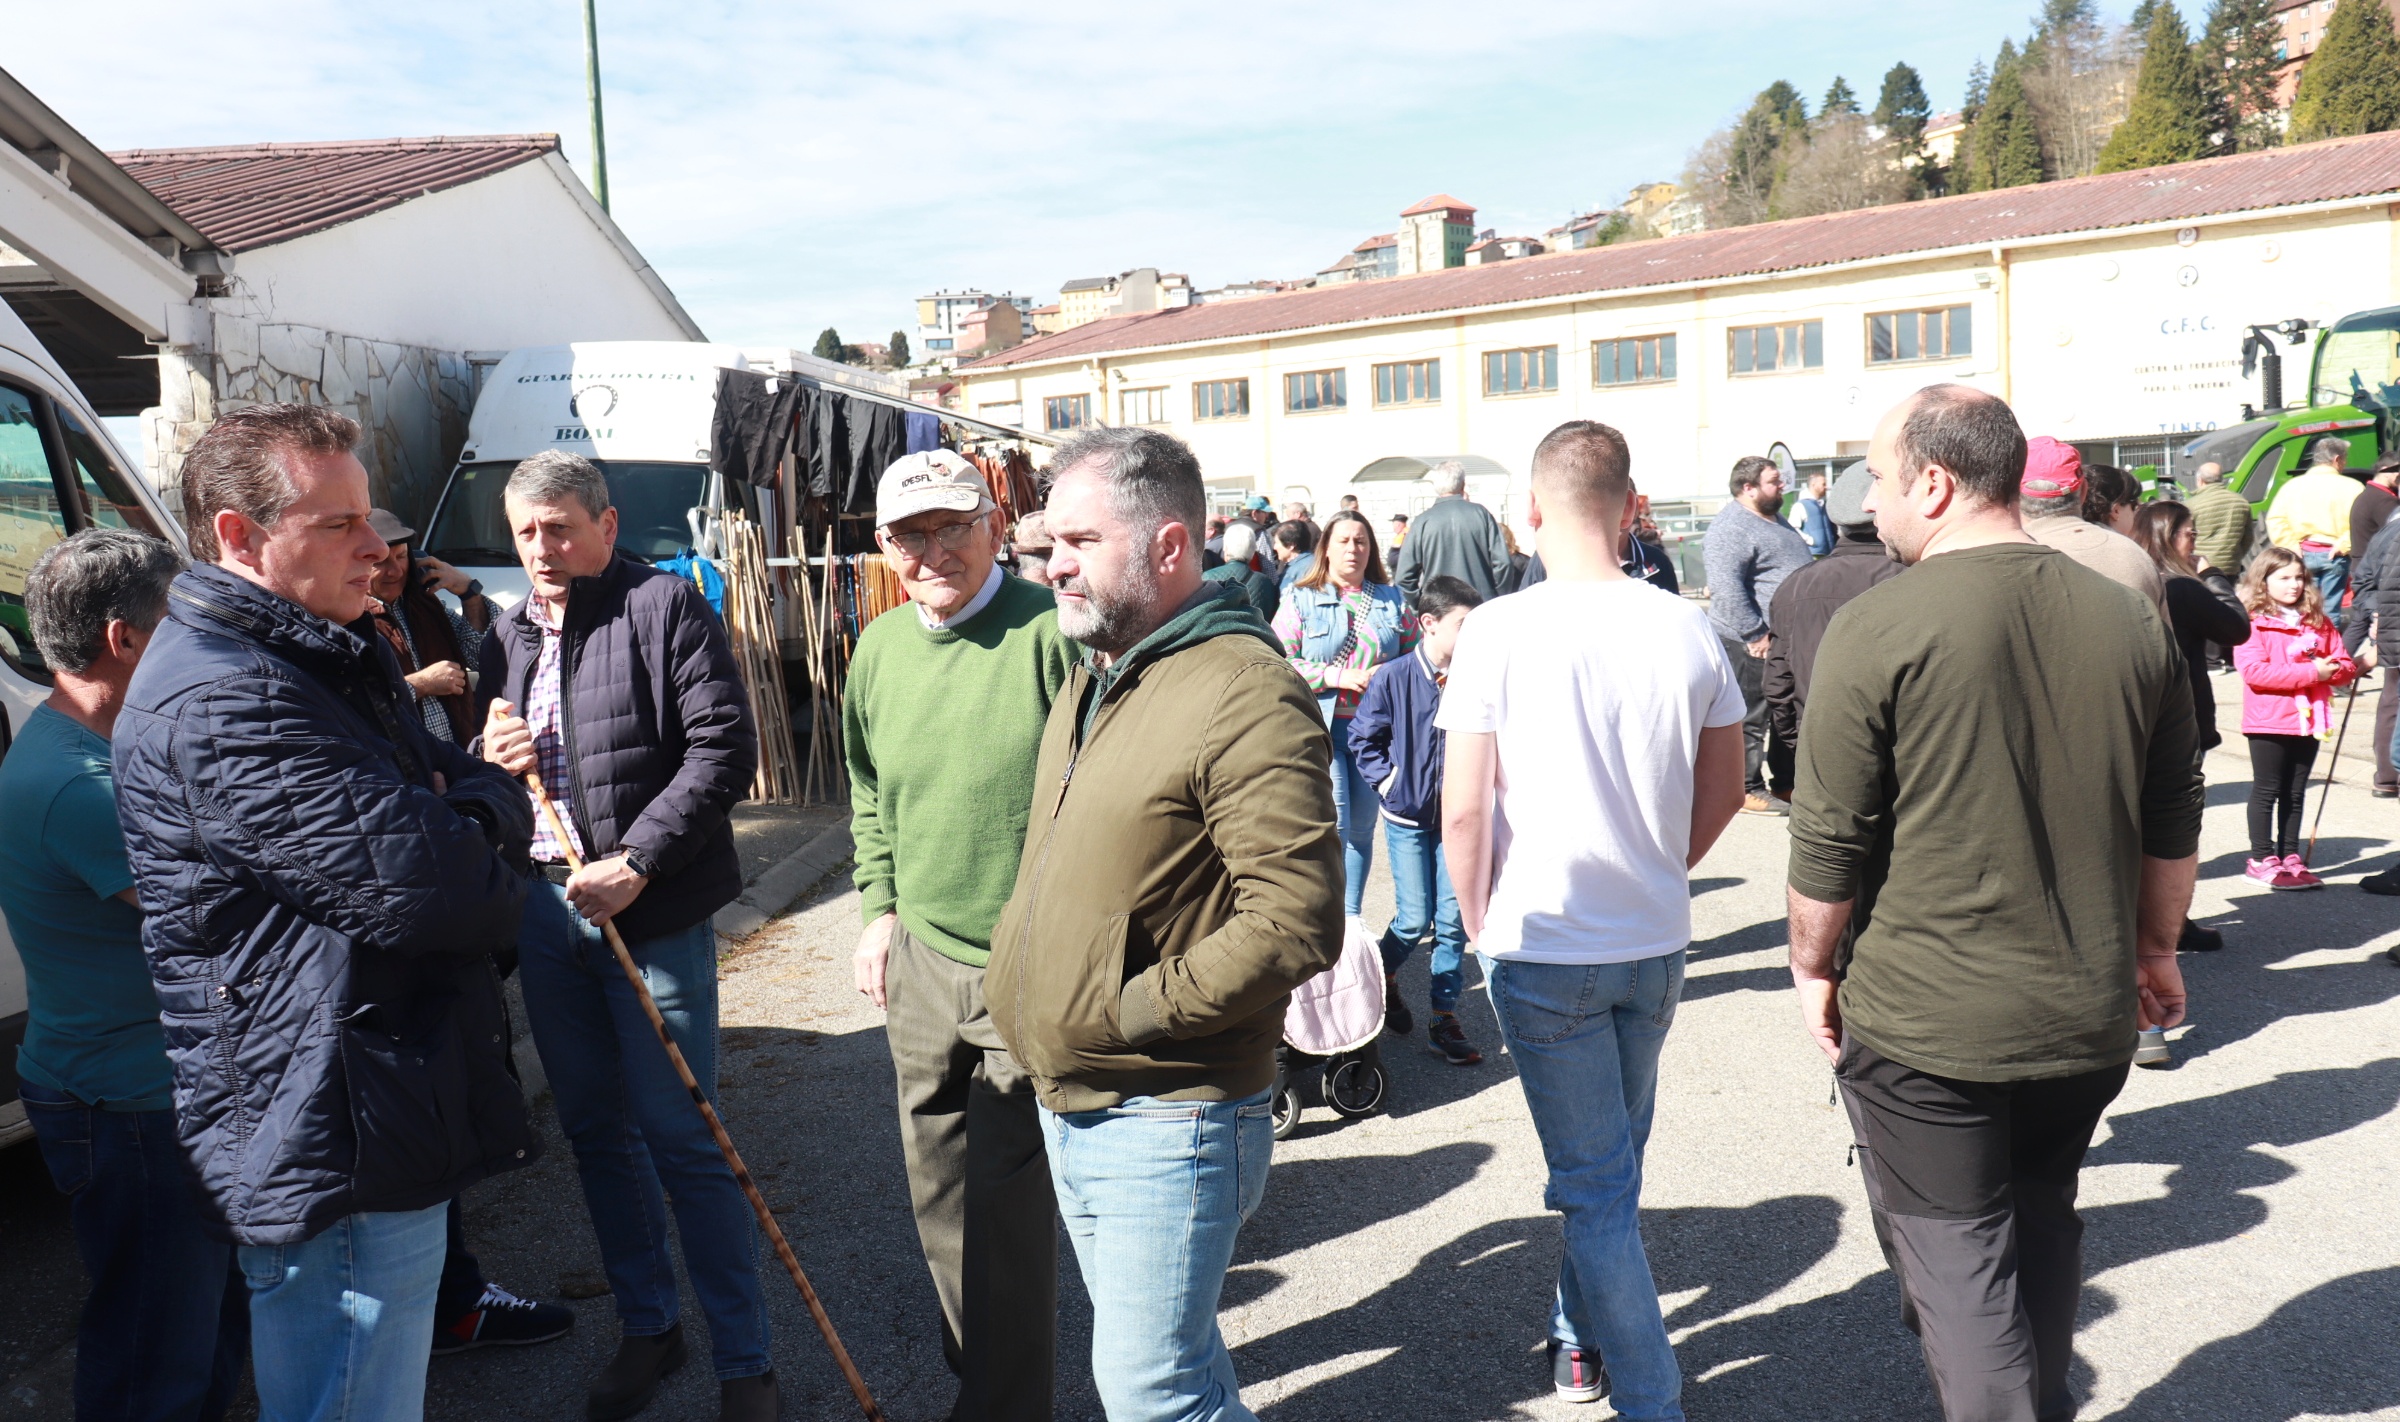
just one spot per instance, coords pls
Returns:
(708, 1114)
(591, 89)
(2324, 792)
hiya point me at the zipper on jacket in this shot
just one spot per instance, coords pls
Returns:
(566, 728)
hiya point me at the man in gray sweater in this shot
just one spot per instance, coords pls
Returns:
(1456, 538)
(1749, 551)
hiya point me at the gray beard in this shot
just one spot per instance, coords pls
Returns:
(1111, 620)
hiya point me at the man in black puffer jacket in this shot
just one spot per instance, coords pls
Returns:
(615, 681)
(323, 884)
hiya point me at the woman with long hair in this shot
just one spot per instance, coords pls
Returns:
(1338, 623)
(2201, 608)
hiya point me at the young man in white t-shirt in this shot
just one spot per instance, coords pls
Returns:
(1595, 753)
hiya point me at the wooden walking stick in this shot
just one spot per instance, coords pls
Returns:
(708, 1113)
(2331, 761)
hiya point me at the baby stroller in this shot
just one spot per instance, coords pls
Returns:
(1329, 1050)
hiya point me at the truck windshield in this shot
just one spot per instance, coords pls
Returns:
(472, 527)
(2359, 362)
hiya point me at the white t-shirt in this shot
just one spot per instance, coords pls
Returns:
(1596, 694)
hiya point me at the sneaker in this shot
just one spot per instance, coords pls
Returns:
(1577, 1374)
(2297, 875)
(1764, 805)
(1450, 1040)
(2263, 871)
(1397, 1019)
(2382, 794)
(2196, 939)
(2387, 882)
(2152, 1051)
(501, 1319)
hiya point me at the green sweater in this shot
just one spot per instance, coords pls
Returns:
(940, 729)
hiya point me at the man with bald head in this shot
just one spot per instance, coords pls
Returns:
(1993, 839)
(1594, 754)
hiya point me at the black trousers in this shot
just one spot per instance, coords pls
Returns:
(1972, 1188)
(1766, 758)
(2279, 767)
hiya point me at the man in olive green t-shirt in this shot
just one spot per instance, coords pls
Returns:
(942, 720)
(1997, 814)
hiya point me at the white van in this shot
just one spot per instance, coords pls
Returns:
(641, 410)
(59, 474)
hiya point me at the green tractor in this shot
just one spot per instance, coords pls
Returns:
(2353, 393)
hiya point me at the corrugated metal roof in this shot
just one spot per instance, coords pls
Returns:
(256, 194)
(2279, 177)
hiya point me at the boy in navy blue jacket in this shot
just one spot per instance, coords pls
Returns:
(1396, 748)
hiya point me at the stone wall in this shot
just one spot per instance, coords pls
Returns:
(411, 401)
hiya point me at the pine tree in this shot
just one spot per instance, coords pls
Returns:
(2352, 83)
(1901, 111)
(2237, 61)
(1839, 99)
(899, 349)
(2144, 15)
(1979, 88)
(2007, 146)
(829, 345)
(2169, 120)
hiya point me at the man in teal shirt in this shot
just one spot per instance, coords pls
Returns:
(942, 722)
(166, 1327)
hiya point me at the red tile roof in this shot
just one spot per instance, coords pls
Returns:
(1440, 202)
(255, 194)
(2331, 169)
(1380, 239)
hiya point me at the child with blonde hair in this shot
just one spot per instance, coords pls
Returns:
(2289, 667)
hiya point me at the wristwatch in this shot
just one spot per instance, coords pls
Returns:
(474, 589)
(639, 863)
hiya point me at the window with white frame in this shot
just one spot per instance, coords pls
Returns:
(1143, 407)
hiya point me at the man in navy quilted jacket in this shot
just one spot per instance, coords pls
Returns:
(322, 886)
(615, 681)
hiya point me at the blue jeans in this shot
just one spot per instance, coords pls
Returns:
(2332, 574)
(1586, 1039)
(342, 1326)
(1421, 899)
(167, 1322)
(1153, 1193)
(1354, 814)
(636, 1133)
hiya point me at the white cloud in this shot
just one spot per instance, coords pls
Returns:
(792, 166)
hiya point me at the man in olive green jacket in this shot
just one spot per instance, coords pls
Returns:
(1181, 876)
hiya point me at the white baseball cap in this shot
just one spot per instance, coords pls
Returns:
(929, 479)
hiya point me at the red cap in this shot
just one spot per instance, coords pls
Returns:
(2052, 470)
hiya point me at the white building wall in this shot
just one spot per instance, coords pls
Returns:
(2153, 348)
(514, 259)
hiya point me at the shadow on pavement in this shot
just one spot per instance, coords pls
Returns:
(2327, 1353)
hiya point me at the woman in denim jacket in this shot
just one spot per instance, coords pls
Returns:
(1338, 623)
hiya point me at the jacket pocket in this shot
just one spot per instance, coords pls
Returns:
(411, 1110)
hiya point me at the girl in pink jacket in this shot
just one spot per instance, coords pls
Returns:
(2289, 667)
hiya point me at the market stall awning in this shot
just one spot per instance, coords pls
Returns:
(1403, 468)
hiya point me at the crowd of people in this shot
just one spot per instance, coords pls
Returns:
(270, 849)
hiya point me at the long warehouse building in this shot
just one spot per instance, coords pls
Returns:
(2110, 310)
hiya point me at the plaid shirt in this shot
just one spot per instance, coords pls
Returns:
(542, 705)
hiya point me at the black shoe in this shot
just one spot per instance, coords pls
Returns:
(752, 1399)
(2382, 794)
(1397, 1019)
(501, 1319)
(2199, 940)
(632, 1377)
(1450, 1042)
(2387, 882)
(1577, 1374)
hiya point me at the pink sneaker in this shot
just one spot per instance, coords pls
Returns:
(2263, 871)
(2297, 875)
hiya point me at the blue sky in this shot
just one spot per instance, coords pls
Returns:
(792, 166)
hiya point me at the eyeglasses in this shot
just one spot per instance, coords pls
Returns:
(952, 536)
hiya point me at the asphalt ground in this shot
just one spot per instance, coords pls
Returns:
(2242, 1256)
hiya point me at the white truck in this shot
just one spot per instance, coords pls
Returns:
(59, 473)
(641, 410)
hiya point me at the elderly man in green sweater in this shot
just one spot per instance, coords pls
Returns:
(942, 722)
